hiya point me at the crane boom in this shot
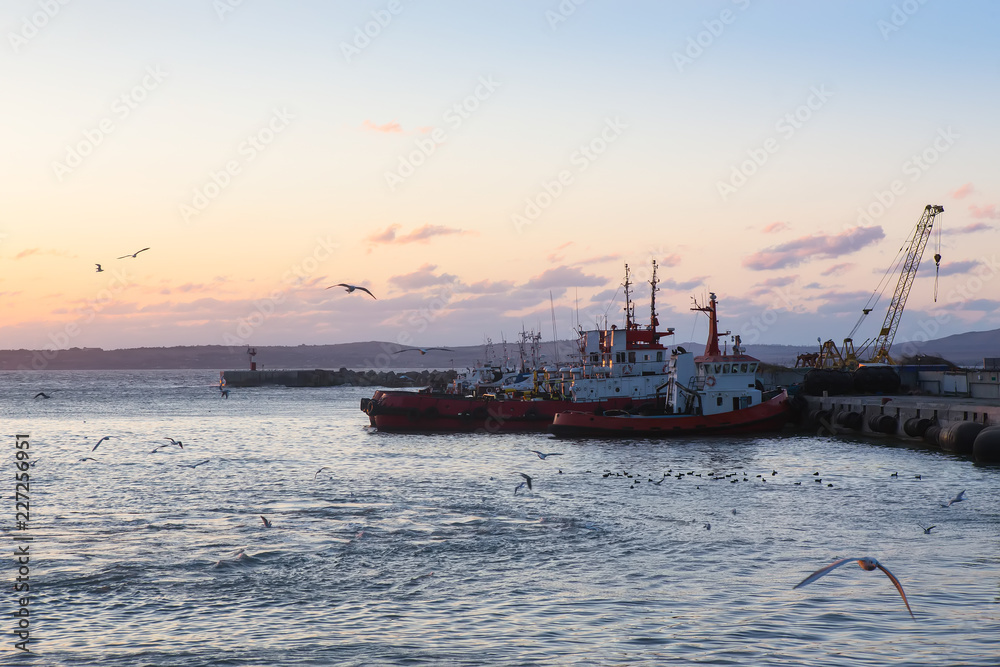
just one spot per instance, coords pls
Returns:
(906, 276)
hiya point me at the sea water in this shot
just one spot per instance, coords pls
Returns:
(416, 549)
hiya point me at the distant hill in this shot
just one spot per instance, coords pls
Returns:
(967, 349)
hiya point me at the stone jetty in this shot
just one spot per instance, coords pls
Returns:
(342, 377)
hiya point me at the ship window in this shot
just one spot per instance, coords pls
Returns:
(659, 355)
(718, 400)
(718, 368)
(631, 357)
(753, 368)
(725, 368)
(743, 368)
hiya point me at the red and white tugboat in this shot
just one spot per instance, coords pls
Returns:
(715, 393)
(620, 369)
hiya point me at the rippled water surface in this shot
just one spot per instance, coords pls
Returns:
(415, 548)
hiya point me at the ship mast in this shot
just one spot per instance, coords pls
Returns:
(712, 346)
(652, 301)
(629, 308)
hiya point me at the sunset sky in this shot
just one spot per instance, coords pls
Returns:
(465, 160)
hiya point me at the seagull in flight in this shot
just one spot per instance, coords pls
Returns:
(321, 470)
(957, 499)
(132, 255)
(194, 465)
(351, 288)
(868, 564)
(542, 456)
(175, 442)
(42, 394)
(267, 524)
(526, 482)
(423, 350)
(927, 530)
(107, 437)
(99, 269)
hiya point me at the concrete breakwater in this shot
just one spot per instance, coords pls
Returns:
(965, 426)
(326, 378)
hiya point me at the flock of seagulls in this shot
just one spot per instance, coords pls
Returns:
(171, 443)
(866, 563)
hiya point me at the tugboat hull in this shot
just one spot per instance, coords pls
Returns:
(770, 415)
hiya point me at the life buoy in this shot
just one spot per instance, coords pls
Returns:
(666, 367)
(710, 381)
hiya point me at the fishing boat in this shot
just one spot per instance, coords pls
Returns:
(715, 393)
(618, 369)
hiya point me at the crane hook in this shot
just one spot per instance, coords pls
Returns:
(937, 270)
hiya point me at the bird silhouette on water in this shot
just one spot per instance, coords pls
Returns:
(542, 456)
(868, 564)
(107, 437)
(42, 394)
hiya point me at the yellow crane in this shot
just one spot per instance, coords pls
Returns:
(847, 357)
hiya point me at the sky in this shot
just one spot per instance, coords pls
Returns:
(488, 167)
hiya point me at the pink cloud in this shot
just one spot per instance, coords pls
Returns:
(422, 234)
(819, 246)
(670, 260)
(984, 211)
(38, 251)
(838, 269)
(957, 268)
(419, 235)
(422, 277)
(973, 227)
(681, 285)
(775, 227)
(564, 276)
(963, 191)
(388, 128)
